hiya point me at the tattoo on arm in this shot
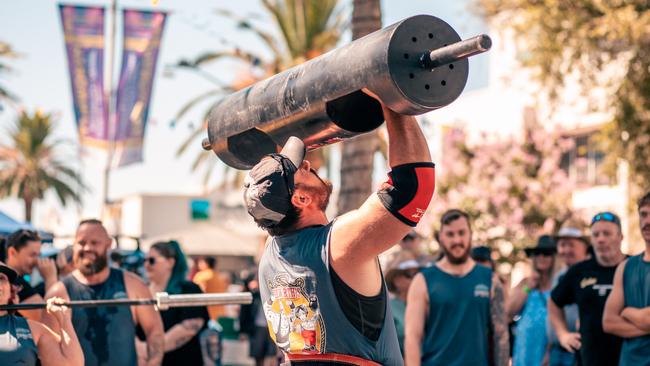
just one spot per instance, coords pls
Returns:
(500, 341)
(192, 328)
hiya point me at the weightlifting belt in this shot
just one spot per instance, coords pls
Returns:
(327, 359)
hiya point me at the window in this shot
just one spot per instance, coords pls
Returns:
(584, 162)
(200, 209)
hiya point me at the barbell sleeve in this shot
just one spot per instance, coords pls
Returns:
(456, 51)
(163, 301)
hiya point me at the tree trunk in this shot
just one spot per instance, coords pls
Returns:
(28, 208)
(357, 155)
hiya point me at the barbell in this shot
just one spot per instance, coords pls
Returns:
(162, 301)
(414, 66)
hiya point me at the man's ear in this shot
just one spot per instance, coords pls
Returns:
(300, 199)
(11, 251)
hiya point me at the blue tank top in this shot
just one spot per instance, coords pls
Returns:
(107, 333)
(531, 333)
(456, 330)
(636, 288)
(300, 305)
(17, 345)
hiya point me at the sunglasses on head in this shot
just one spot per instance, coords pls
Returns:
(606, 216)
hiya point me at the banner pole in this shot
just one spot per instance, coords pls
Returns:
(110, 94)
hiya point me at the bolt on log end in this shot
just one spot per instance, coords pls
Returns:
(206, 145)
(456, 51)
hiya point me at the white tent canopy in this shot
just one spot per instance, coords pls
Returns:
(213, 239)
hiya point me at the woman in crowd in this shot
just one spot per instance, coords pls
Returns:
(24, 341)
(528, 300)
(166, 268)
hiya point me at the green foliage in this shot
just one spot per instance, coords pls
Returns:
(558, 37)
(31, 164)
(306, 30)
(6, 52)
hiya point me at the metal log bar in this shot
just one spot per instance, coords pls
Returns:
(456, 51)
(163, 301)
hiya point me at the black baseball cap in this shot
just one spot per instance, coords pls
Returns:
(9, 272)
(268, 187)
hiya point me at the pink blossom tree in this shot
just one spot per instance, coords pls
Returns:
(513, 188)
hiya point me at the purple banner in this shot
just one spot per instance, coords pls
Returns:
(83, 30)
(142, 35)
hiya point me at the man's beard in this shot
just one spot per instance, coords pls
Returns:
(92, 267)
(456, 260)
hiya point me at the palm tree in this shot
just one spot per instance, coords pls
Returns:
(357, 155)
(32, 164)
(307, 29)
(6, 52)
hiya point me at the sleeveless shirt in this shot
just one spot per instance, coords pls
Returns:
(107, 333)
(301, 307)
(636, 293)
(17, 345)
(456, 330)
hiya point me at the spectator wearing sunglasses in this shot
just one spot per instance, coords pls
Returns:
(398, 279)
(588, 284)
(22, 251)
(528, 300)
(166, 268)
(627, 312)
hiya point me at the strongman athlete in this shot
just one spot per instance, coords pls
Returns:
(322, 288)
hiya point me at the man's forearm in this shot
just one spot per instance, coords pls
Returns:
(558, 320)
(406, 142)
(617, 325)
(155, 348)
(640, 318)
(500, 340)
(69, 344)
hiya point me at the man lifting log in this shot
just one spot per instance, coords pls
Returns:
(323, 290)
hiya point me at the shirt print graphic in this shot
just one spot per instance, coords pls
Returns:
(293, 316)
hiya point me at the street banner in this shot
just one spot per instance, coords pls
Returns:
(83, 30)
(142, 35)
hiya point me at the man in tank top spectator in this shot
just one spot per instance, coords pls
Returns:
(588, 284)
(627, 311)
(455, 312)
(106, 334)
(320, 282)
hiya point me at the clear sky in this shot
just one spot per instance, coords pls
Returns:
(40, 78)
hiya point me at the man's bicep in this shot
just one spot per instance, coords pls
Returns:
(616, 300)
(367, 231)
(416, 306)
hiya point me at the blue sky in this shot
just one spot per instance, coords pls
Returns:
(40, 78)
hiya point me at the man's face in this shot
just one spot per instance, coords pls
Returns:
(455, 240)
(25, 259)
(606, 238)
(90, 251)
(571, 250)
(644, 223)
(307, 181)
